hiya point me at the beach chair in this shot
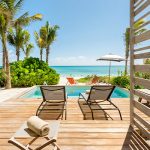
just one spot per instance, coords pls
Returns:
(25, 133)
(71, 81)
(54, 103)
(97, 95)
(94, 80)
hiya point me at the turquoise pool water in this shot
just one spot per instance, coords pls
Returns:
(73, 91)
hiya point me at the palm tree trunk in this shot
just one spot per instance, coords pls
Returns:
(47, 54)
(8, 78)
(126, 66)
(126, 61)
(27, 55)
(17, 53)
(41, 54)
(4, 62)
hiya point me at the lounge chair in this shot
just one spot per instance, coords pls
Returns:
(95, 80)
(71, 81)
(97, 95)
(24, 132)
(54, 102)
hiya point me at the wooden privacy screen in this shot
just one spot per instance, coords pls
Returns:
(139, 71)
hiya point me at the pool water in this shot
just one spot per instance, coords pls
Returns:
(73, 91)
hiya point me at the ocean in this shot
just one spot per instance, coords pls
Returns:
(82, 71)
(79, 71)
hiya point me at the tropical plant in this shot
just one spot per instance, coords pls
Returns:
(8, 10)
(122, 81)
(40, 43)
(18, 38)
(138, 31)
(2, 78)
(144, 75)
(27, 49)
(32, 71)
(48, 34)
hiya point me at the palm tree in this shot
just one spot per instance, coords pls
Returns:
(2, 33)
(3, 30)
(17, 38)
(8, 9)
(27, 50)
(138, 31)
(127, 47)
(40, 43)
(48, 34)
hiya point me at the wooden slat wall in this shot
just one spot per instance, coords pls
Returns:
(139, 50)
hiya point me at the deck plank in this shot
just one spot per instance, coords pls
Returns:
(74, 133)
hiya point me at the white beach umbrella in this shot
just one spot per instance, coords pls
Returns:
(110, 58)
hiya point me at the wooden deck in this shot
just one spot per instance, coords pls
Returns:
(75, 133)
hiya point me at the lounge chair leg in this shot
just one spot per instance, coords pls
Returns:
(66, 112)
(117, 109)
(17, 144)
(37, 112)
(56, 147)
(45, 144)
(120, 114)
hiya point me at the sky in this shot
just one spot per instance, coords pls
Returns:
(88, 30)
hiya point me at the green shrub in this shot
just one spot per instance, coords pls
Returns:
(2, 78)
(123, 81)
(85, 79)
(32, 71)
(88, 79)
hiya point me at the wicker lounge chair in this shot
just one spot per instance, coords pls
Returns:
(54, 102)
(26, 133)
(97, 95)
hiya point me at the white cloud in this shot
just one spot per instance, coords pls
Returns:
(79, 61)
(76, 60)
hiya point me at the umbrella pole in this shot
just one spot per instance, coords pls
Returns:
(109, 70)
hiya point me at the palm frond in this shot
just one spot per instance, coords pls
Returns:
(39, 41)
(18, 5)
(3, 6)
(4, 9)
(11, 37)
(23, 20)
(36, 17)
(3, 22)
(43, 33)
(10, 4)
(26, 36)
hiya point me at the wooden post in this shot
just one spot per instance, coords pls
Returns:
(131, 60)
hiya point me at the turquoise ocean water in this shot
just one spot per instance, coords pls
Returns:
(87, 70)
(78, 71)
